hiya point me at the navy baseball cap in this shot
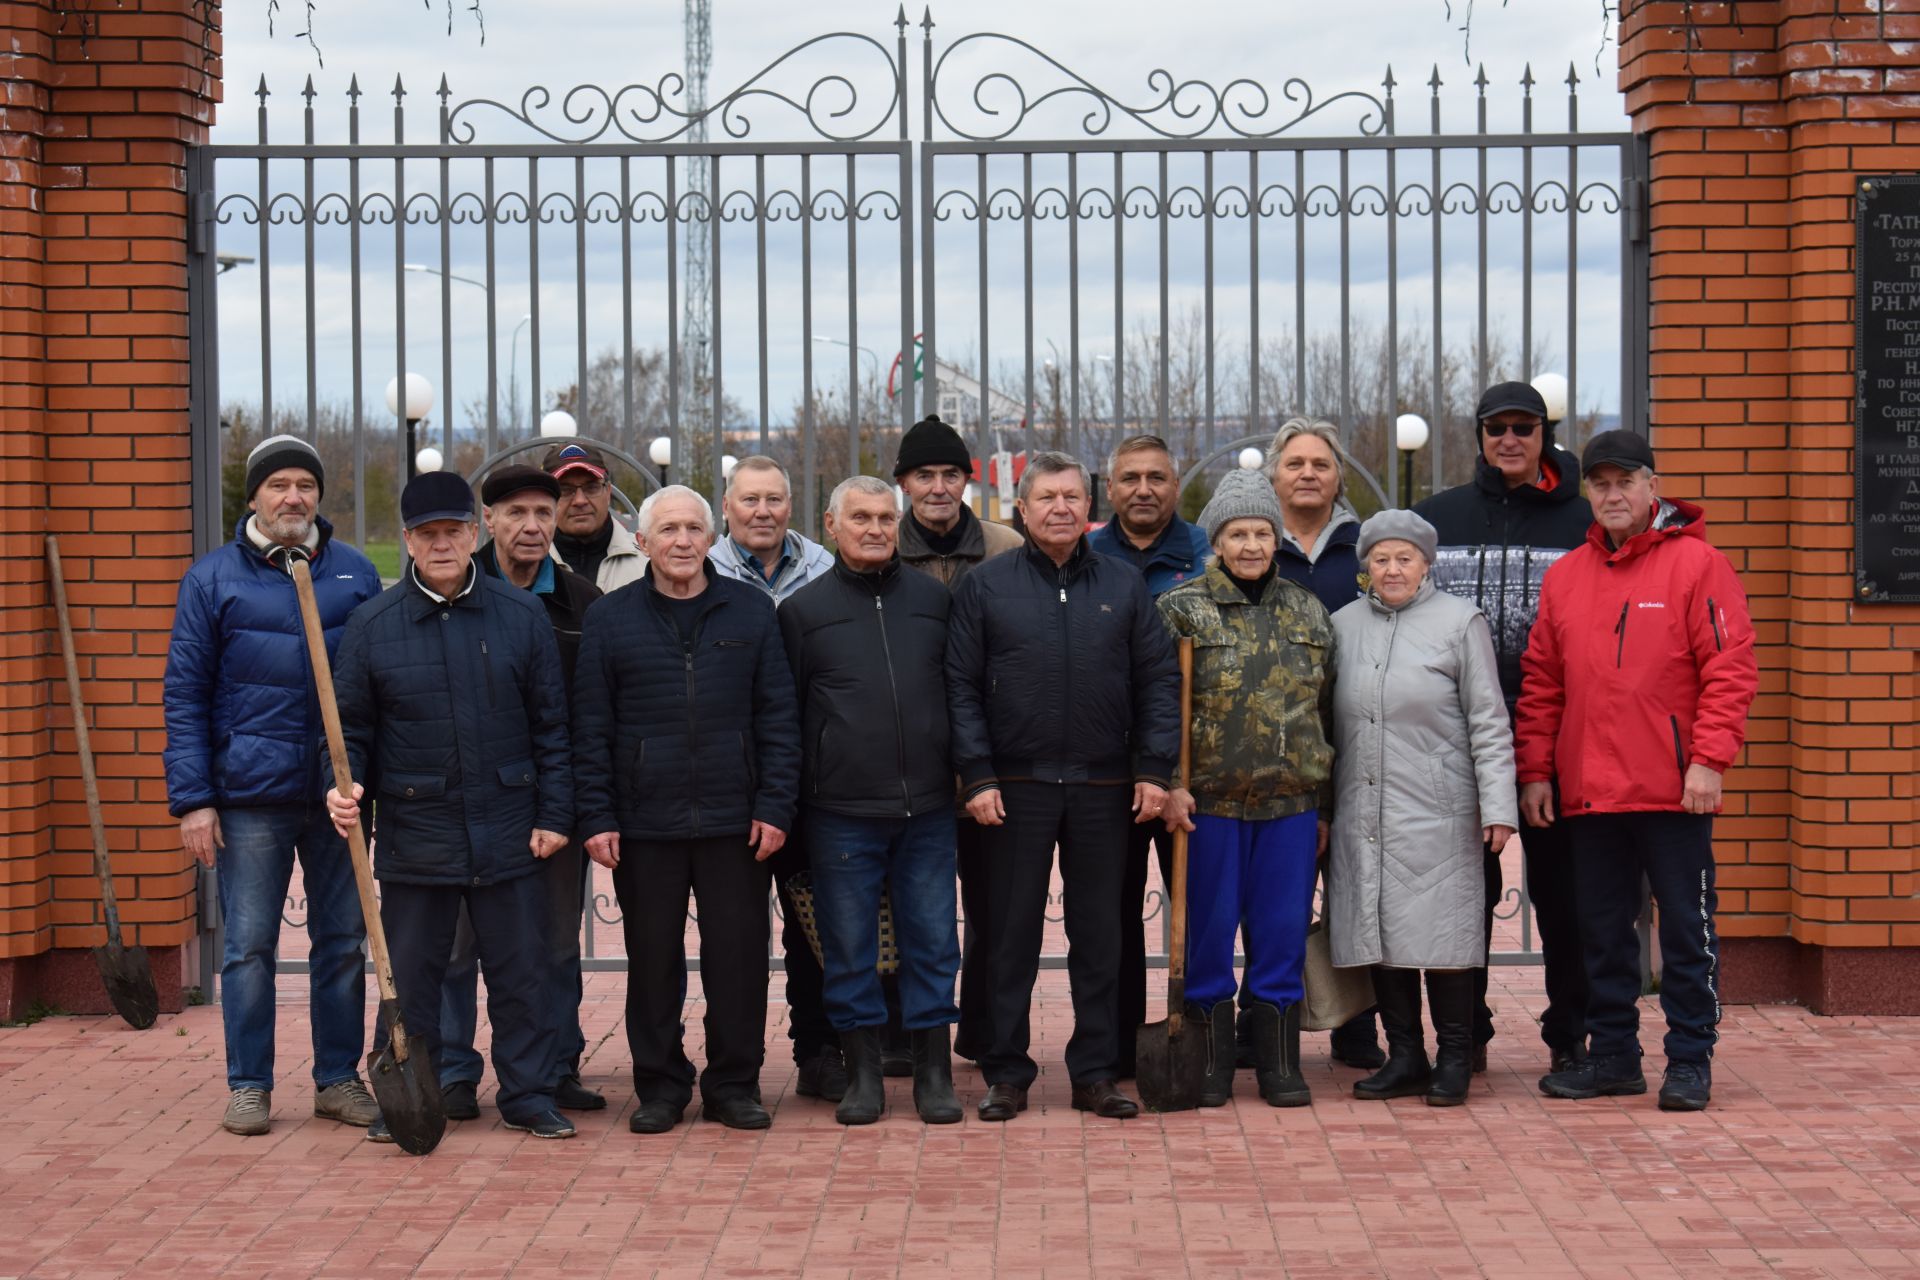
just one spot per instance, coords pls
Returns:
(1624, 449)
(435, 495)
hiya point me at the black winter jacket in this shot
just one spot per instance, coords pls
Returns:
(1060, 674)
(1496, 544)
(566, 607)
(681, 739)
(869, 656)
(457, 727)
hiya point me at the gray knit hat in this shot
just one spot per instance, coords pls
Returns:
(1241, 495)
(1394, 523)
(276, 453)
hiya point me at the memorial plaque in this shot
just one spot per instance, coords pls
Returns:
(1886, 487)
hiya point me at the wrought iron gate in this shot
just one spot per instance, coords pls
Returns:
(1201, 261)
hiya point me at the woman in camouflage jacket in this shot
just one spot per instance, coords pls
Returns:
(1260, 784)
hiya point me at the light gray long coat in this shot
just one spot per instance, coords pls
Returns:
(1424, 760)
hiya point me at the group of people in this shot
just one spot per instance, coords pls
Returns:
(716, 711)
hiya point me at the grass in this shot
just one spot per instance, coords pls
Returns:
(385, 554)
(35, 1012)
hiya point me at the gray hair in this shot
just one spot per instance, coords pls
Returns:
(643, 523)
(1139, 444)
(871, 485)
(1051, 463)
(758, 462)
(1320, 429)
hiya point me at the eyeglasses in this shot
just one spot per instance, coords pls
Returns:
(1495, 430)
(592, 488)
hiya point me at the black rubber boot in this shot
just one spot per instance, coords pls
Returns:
(1221, 1051)
(1276, 1055)
(1451, 997)
(1407, 1070)
(933, 1095)
(866, 1095)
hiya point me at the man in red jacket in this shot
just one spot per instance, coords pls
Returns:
(1637, 679)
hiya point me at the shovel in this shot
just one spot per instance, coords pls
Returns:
(1172, 1056)
(403, 1079)
(124, 970)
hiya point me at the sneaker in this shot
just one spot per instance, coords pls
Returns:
(247, 1112)
(378, 1131)
(1688, 1087)
(1597, 1077)
(460, 1100)
(547, 1124)
(348, 1102)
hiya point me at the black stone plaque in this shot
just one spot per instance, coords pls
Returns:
(1886, 511)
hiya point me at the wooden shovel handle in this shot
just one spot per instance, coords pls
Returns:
(1177, 936)
(83, 743)
(343, 781)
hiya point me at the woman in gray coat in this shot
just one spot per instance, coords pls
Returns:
(1423, 777)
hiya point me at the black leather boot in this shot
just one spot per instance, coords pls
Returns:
(866, 1095)
(1407, 1070)
(1276, 1055)
(1451, 996)
(1218, 1089)
(933, 1095)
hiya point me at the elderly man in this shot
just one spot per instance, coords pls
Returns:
(519, 505)
(1064, 698)
(941, 536)
(1143, 488)
(1499, 534)
(868, 647)
(451, 698)
(1642, 653)
(587, 539)
(687, 759)
(243, 762)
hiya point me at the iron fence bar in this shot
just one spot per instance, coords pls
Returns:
(1394, 496)
(1346, 298)
(446, 303)
(1163, 361)
(929, 289)
(400, 291)
(713, 311)
(1319, 142)
(906, 388)
(203, 328)
(1253, 291)
(493, 313)
(1480, 226)
(266, 275)
(580, 407)
(1301, 402)
(806, 337)
(354, 303)
(588, 150)
(1206, 162)
(1119, 361)
(760, 283)
(853, 321)
(626, 301)
(1526, 237)
(533, 293)
(307, 227)
(672, 221)
(1073, 305)
(986, 416)
(1026, 240)
(1437, 393)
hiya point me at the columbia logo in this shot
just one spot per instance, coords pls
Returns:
(1651, 604)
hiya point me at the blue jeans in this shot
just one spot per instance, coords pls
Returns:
(913, 858)
(254, 868)
(1259, 872)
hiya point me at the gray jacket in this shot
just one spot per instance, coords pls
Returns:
(1423, 760)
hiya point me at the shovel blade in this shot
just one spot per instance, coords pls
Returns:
(129, 982)
(407, 1089)
(1171, 1065)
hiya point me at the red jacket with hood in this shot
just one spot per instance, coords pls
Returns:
(1640, 663)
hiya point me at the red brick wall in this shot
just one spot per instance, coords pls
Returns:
(93, 433)
(1756, 137)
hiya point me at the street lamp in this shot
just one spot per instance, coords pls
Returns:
(727, 463)
(660, 453)
(1410, 435)
(854, 347)
(1251, 458)
(419, 404)
(559, 424)
(428, 459)
(1553, 389)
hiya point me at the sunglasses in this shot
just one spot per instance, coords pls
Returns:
(1495, 430)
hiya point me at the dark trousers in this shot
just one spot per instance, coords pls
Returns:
(1145, 840)
(1556, 916)
(566, 876)
(730, 898)
(975, 1031)
(1089, 824)
(508, 921)
(1674, 852)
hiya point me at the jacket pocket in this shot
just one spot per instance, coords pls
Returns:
(413, 786)
(1679, 752)
(518, 774)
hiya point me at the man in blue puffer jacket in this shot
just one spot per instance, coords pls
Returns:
(244, 776)
(455, 717)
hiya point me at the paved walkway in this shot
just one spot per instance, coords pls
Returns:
(112, 1163)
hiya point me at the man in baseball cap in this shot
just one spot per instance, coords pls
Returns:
(587, 538)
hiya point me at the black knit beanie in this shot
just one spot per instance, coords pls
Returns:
(278, 452)
(932, 443)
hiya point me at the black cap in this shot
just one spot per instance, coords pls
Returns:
(1502, 397)
(435, 495)
(1623, 449)
(278, 453)
(932, 443)
(511, 480)
(573, 456)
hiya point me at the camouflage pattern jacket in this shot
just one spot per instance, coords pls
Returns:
(1262, 696)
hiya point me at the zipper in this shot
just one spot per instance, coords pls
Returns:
(1679, 754)
(899, 727)
(1620, 630)
(693, 770)
(487, 665)
(1713, 618)
(1066, 673)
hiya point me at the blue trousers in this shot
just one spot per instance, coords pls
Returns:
(1261, 872)
(913, 859)
(255, 867)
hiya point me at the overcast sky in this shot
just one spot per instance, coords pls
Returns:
(1116, 44)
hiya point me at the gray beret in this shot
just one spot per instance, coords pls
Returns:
(1394, 523)
(1240, 495)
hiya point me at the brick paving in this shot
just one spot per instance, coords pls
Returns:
(112, 1163)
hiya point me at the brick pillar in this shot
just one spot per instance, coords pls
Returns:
(99, 113)
(1756, 137)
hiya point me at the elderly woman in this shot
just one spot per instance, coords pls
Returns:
(1260, 775)
(1425, 777)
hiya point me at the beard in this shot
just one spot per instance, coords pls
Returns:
(287, 527)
